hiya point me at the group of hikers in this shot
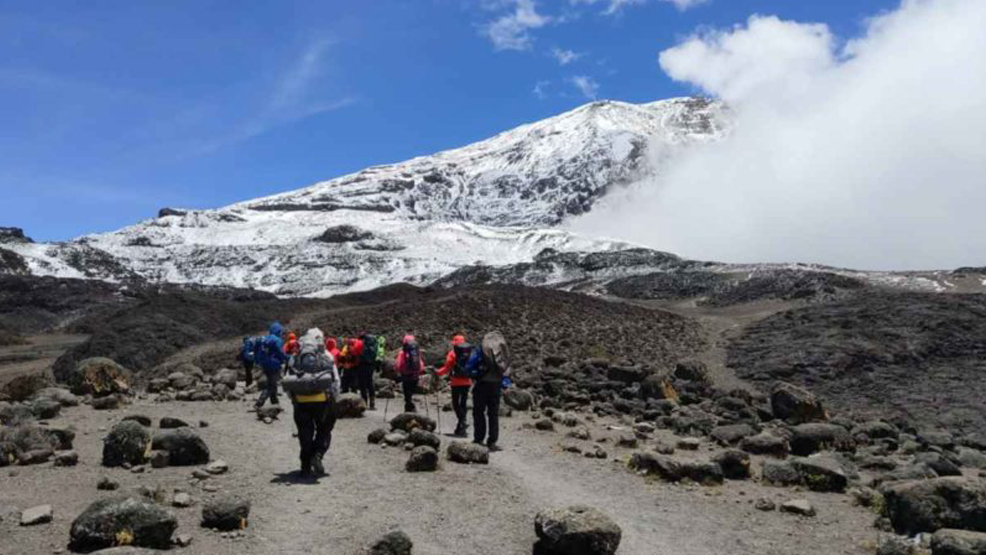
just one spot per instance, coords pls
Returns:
(313, 370)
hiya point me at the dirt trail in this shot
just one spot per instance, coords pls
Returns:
(459, 509)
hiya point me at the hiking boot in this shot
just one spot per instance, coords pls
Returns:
(373, 405)
(305, 472)
(317, 467)
(494, 448)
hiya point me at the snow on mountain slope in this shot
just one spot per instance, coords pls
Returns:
(494, 203)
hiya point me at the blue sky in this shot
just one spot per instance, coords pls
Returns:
(112, 110)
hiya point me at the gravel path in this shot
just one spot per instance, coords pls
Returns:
(459, 509)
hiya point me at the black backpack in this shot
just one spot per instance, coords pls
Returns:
(412, 359)
(369, 355)
(462, 353)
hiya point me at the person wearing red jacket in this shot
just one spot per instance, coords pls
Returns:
(332, 348)
(455, 366)
(347, 360)
(291, 347)
(409, 367)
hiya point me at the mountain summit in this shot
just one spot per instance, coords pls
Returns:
(493, 202)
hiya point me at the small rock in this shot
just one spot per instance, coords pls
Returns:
(170, 423)
(183, 445)
(376, 436)
(578, 530)
(796, 405)
(110, 402)
(735, 464)
(139, 469)
(36, 515)
(394, 543)
(127, 443)
(200, 474)
(409, 420)
(350, 405)
(958, 542)
(66, 458)
(226, 513)
(183, 540)
(182, 500)
(395, 439)
(217, 467)
(140, 419)
(159, 459)
(203, 424)
(544, 425)
(419, 437)
(105, 484)
(764, 504)
(122, 521)
(468, 453)
(798, 507)
(423, 459)
(580, 433)
(689, 444)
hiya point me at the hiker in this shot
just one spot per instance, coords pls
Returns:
(489, 367)
(332, 347)
(347, 360)
(381, 353)
(291, 346)
(313, 385)
(409, 367)
(246, 356)
(269, 355)
(455, 365)
(365, 366)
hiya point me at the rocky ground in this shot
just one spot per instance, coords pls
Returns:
(680, 423)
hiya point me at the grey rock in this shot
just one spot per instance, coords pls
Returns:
(576, 530)
(796, 405)
(350, 405)
(779, 473)
(958, 542)
(821, 473)
(419, 437)
(423, 459)
(66, 458)
(376, 436)
(929, 505)
(128, 442)
(226, 513)
(183, 445)
(518, 399)
(109, 522)
(811, 438)
(170, 423)
(798, 507)
(41, 514)
(467, 453)
(409, 420)
(735, 464)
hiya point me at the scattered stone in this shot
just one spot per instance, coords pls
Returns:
(764, 504)
(929, 505)
(226, 513)
(937, 462)
(420, 437)
(596, 451)
(60, 438)
(731, 434)
(127, 443)
(63, 396)
(269, 413)
(467, 453)
(200, 474)
(34, 456)
(518, 399)
(628, 441)
(36, 515)
(140, 419)
(689, 444)
(183, 540)
(350, 405)
(393, 543)
(110, 402)
(217, 467)
(409, 420)
(182, 500)
(735, 464)
(139, 469)
(44, 408)
(796, 405)
(169, 423)
(424, 458)
(376, 436)
(815, 437)
(578, 530)
(571, 448)
(159, 459)
(203, 424)
(821, 473)
(122, 521)
(183, 445)
(798, 507)
(895, 546)
(66, 458)
(99, 377)
(544, 425)
(958, 542)
(664, 448)
(780, 473)
(105, 484)
(395, 439)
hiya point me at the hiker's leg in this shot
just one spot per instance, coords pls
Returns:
(364, 375)
(460, 401)
(248, 373)
(272, 378)
(407, 384)
(370, 387)
(478, 413)
(323, 436)
(305, 421)
(493, 414)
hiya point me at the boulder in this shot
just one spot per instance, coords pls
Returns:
(876, 429)
(653, 464)
(658, 386)
(227, 512)
(893, 545)
(183, 445)
(41, 514)
(545, 425)
(766, 443)
(706, 473)
(735, 464)
(939, 463)
(99, 376)
(518, 399)
(376, 436)
(796, 405)
(419, 437)
(181, 380)
(34, 456)
(576, 530)
(811, 438)
(693, 370)
(467, 453)
(109, 402)
(423, 459)
(409, 420)
(779, 473)
(141, 419)
(60, 438)
(821, 473)
(958, 542)
(350, 405)
(929, 505)
(393, 543)
(122, 521)
(66, 458)
(226, 377)
(13, 415)
(731, 434)
(128, 442)
(798, 507)
(44, 408)
(169, 423)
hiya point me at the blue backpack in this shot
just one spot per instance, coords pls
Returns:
(249, 346)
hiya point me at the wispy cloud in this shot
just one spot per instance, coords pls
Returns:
(540, 89)
(512, 31)
(615, 7)
(565, 57)
(586, 85)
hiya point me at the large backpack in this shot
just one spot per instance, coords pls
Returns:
(412, 359)
(496, 356)
(249, 345)
(267, 349)
(462, 353)
(369, 355)
(312, 370)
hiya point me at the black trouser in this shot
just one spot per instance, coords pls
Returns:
(248, 371)
(270, 392)
(410, 385)
(486, 408)
(364, 379)
(315, 422)
(460, 400)
(348, 380)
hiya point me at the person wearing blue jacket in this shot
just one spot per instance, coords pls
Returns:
(246, 356)
(269, 355)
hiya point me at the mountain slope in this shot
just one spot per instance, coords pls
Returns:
(494, 202)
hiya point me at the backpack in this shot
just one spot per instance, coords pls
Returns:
(369, 355)
(267, 350)
(412, 359)
(312, 371)
(493, 356)
(462, 353)
(249, 345)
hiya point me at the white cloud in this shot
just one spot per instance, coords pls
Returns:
(565, 57)
(513, 30)
(539, 89)
(870, 156)
(587, 86)
(614, 7)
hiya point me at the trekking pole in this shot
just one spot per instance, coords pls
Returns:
(438, 409)
(386, 407)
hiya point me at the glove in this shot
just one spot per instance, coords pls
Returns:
(506, 382)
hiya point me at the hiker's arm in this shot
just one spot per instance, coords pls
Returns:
(449, 363)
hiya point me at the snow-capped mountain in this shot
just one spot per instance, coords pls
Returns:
(495, 202)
